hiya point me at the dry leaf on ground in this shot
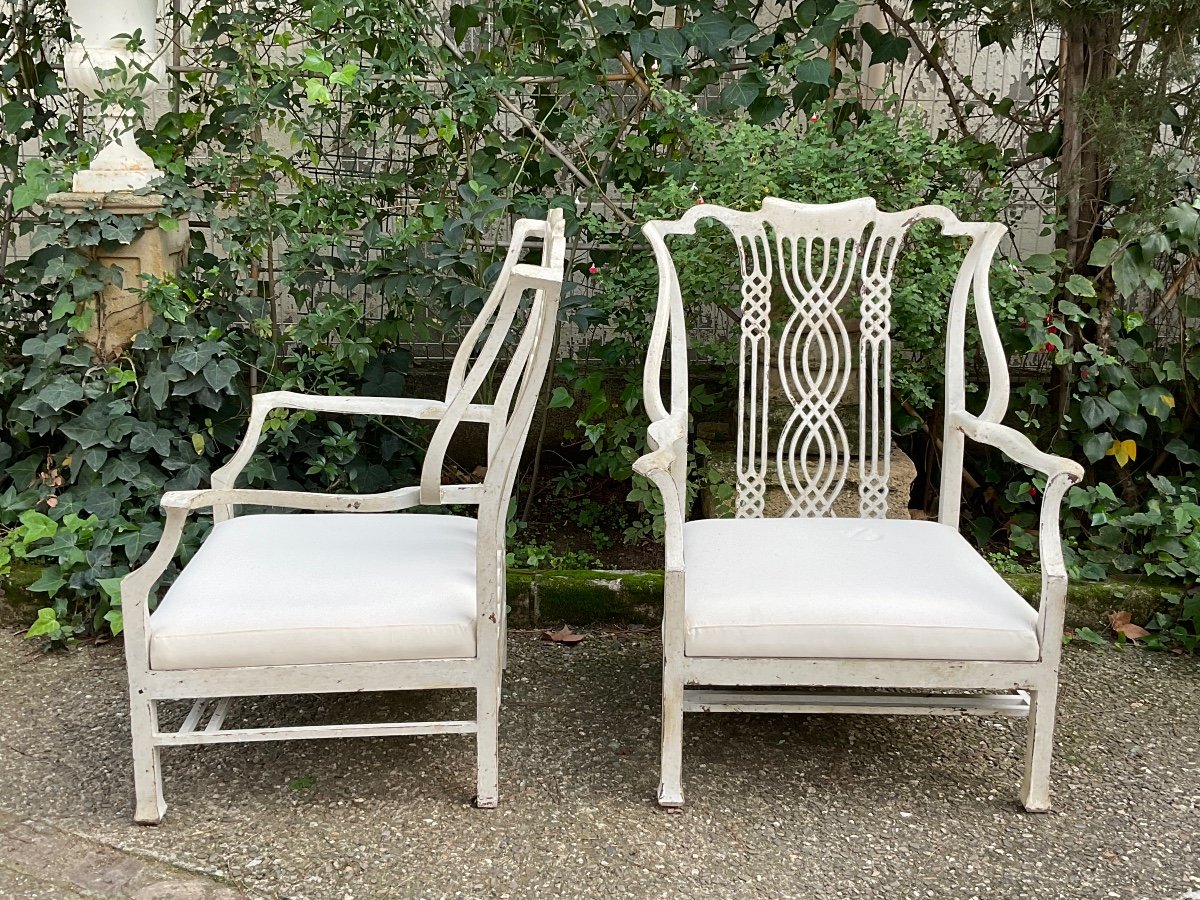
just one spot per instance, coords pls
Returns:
(563, 636)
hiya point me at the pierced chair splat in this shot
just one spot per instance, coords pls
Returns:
(355, 594)
(810, 601)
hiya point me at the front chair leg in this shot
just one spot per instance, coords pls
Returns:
(670, 786)
(1039, 748)
(147, 770)
(487, 744)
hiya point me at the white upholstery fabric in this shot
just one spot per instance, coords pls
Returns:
(847, 589)
(269, 590)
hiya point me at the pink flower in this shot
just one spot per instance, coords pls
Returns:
(814, 118)
(699, 199)
(592, 270)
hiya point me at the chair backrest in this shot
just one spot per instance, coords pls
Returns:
(804, 270)
(517, 389)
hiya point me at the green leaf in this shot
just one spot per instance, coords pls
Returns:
(47, 622)
(116, 621)
(741, 93)
(560, 399)
(48, 582)
(112, 588)
(1080, 286)
(35, 526)
(221, 373)
(1096, 411)
(813, 71)
(885, 47)
(1095, 446)
(1127, 273)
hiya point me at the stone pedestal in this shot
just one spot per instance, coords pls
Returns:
(120, 312)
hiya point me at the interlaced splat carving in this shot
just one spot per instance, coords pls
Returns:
(875, 372)
(753, 373)
(814, 352)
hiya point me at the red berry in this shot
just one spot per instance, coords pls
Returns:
(1022, 324)
(1083, 373)
(1032, 491)
(1052, 330)
(1049, 347)
(1049, 319)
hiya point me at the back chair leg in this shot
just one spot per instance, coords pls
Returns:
(147, 771)
(1039, 748)
(487, 744)
(670, 787)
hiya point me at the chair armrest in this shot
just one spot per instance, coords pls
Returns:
(1061, 473)
(658, 465)
(262, 404)
(407, 407)
(389, 501)
(1015, 446)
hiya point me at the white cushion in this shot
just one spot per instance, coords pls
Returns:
(273, 590)
(847, 589)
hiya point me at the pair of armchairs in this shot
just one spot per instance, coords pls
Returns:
(358, 595)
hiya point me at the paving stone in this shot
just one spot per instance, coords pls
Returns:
(778, 806)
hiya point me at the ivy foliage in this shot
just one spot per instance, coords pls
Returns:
(348, 166)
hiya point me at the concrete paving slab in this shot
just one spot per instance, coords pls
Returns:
(779, 806)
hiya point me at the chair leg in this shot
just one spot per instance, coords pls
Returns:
(1039, 748)
(147, 771)
(487, 745)
(670, 786)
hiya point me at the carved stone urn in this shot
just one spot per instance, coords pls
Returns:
(103, 58)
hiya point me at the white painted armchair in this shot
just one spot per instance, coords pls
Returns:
(808, 601)
(357, 595)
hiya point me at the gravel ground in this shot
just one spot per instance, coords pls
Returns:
(779, 806)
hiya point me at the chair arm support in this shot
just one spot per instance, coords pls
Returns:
(657, 465)
(1061, 473)
(389, 501)
(135, 591)
(1015, 446)
(406, 407)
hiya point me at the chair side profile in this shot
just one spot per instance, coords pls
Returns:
(355, 594)
(810, 601)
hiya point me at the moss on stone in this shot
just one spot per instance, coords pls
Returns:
(592, 597)
(19, 605)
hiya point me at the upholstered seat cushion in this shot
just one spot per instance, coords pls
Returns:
(847, 588)
(271, 590)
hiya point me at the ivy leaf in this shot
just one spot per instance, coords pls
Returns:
(1102, 252)
(885, 48)
(84, 432)
(1127, 273)
(36, 526)
(116, 621)
(1096, 411)
(48, 583)
(813, 71)
(60, 392)
(741, 93)
(1080, 286)
(709, 33)
(47, 620)
(560, 399)
(1095, 446)
(221, 373)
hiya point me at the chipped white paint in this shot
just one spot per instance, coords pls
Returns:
(815, 252)
(508, 420)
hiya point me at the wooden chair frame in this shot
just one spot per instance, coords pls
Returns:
(508, 420)
(1031, 687)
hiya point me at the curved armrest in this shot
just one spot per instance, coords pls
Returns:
(657, 465)
(262, 404)
(1016, 446)
(1060, 474)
